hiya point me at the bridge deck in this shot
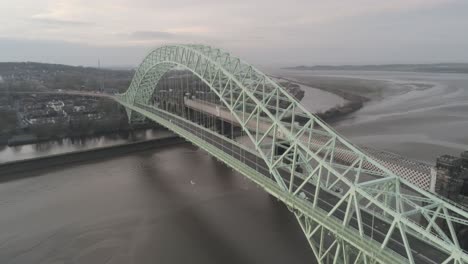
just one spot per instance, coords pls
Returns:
(390, 202)
(417, 173)
(375, 227)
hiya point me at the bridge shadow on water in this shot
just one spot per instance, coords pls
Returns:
(167, 205)
(215, 215)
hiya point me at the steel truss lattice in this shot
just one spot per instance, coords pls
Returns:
(352, 209)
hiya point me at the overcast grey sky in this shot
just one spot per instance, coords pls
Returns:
(264, 32)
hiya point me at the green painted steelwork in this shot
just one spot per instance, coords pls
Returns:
(375, 216)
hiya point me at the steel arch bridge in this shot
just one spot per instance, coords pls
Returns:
(350, 207)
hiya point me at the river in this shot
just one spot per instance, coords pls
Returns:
(177, 204)
(418, 115)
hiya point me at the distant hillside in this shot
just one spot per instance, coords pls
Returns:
(439, 67)
(30, 76)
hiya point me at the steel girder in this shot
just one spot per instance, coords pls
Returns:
(410, 220)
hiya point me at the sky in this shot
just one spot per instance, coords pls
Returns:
(263, 32)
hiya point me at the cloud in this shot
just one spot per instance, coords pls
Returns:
(297, 31)
(151, 35)
(61, 22)
(123, 22)
(62, 52)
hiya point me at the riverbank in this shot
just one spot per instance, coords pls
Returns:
(25, 139)
(37, 117)
(32, 164)
(351, 101)
(64, 145)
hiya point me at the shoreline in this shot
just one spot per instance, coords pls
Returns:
(10, 169)
(11, 141)
(36, 140)
(353, 102)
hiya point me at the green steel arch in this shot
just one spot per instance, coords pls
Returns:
(406, 222)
